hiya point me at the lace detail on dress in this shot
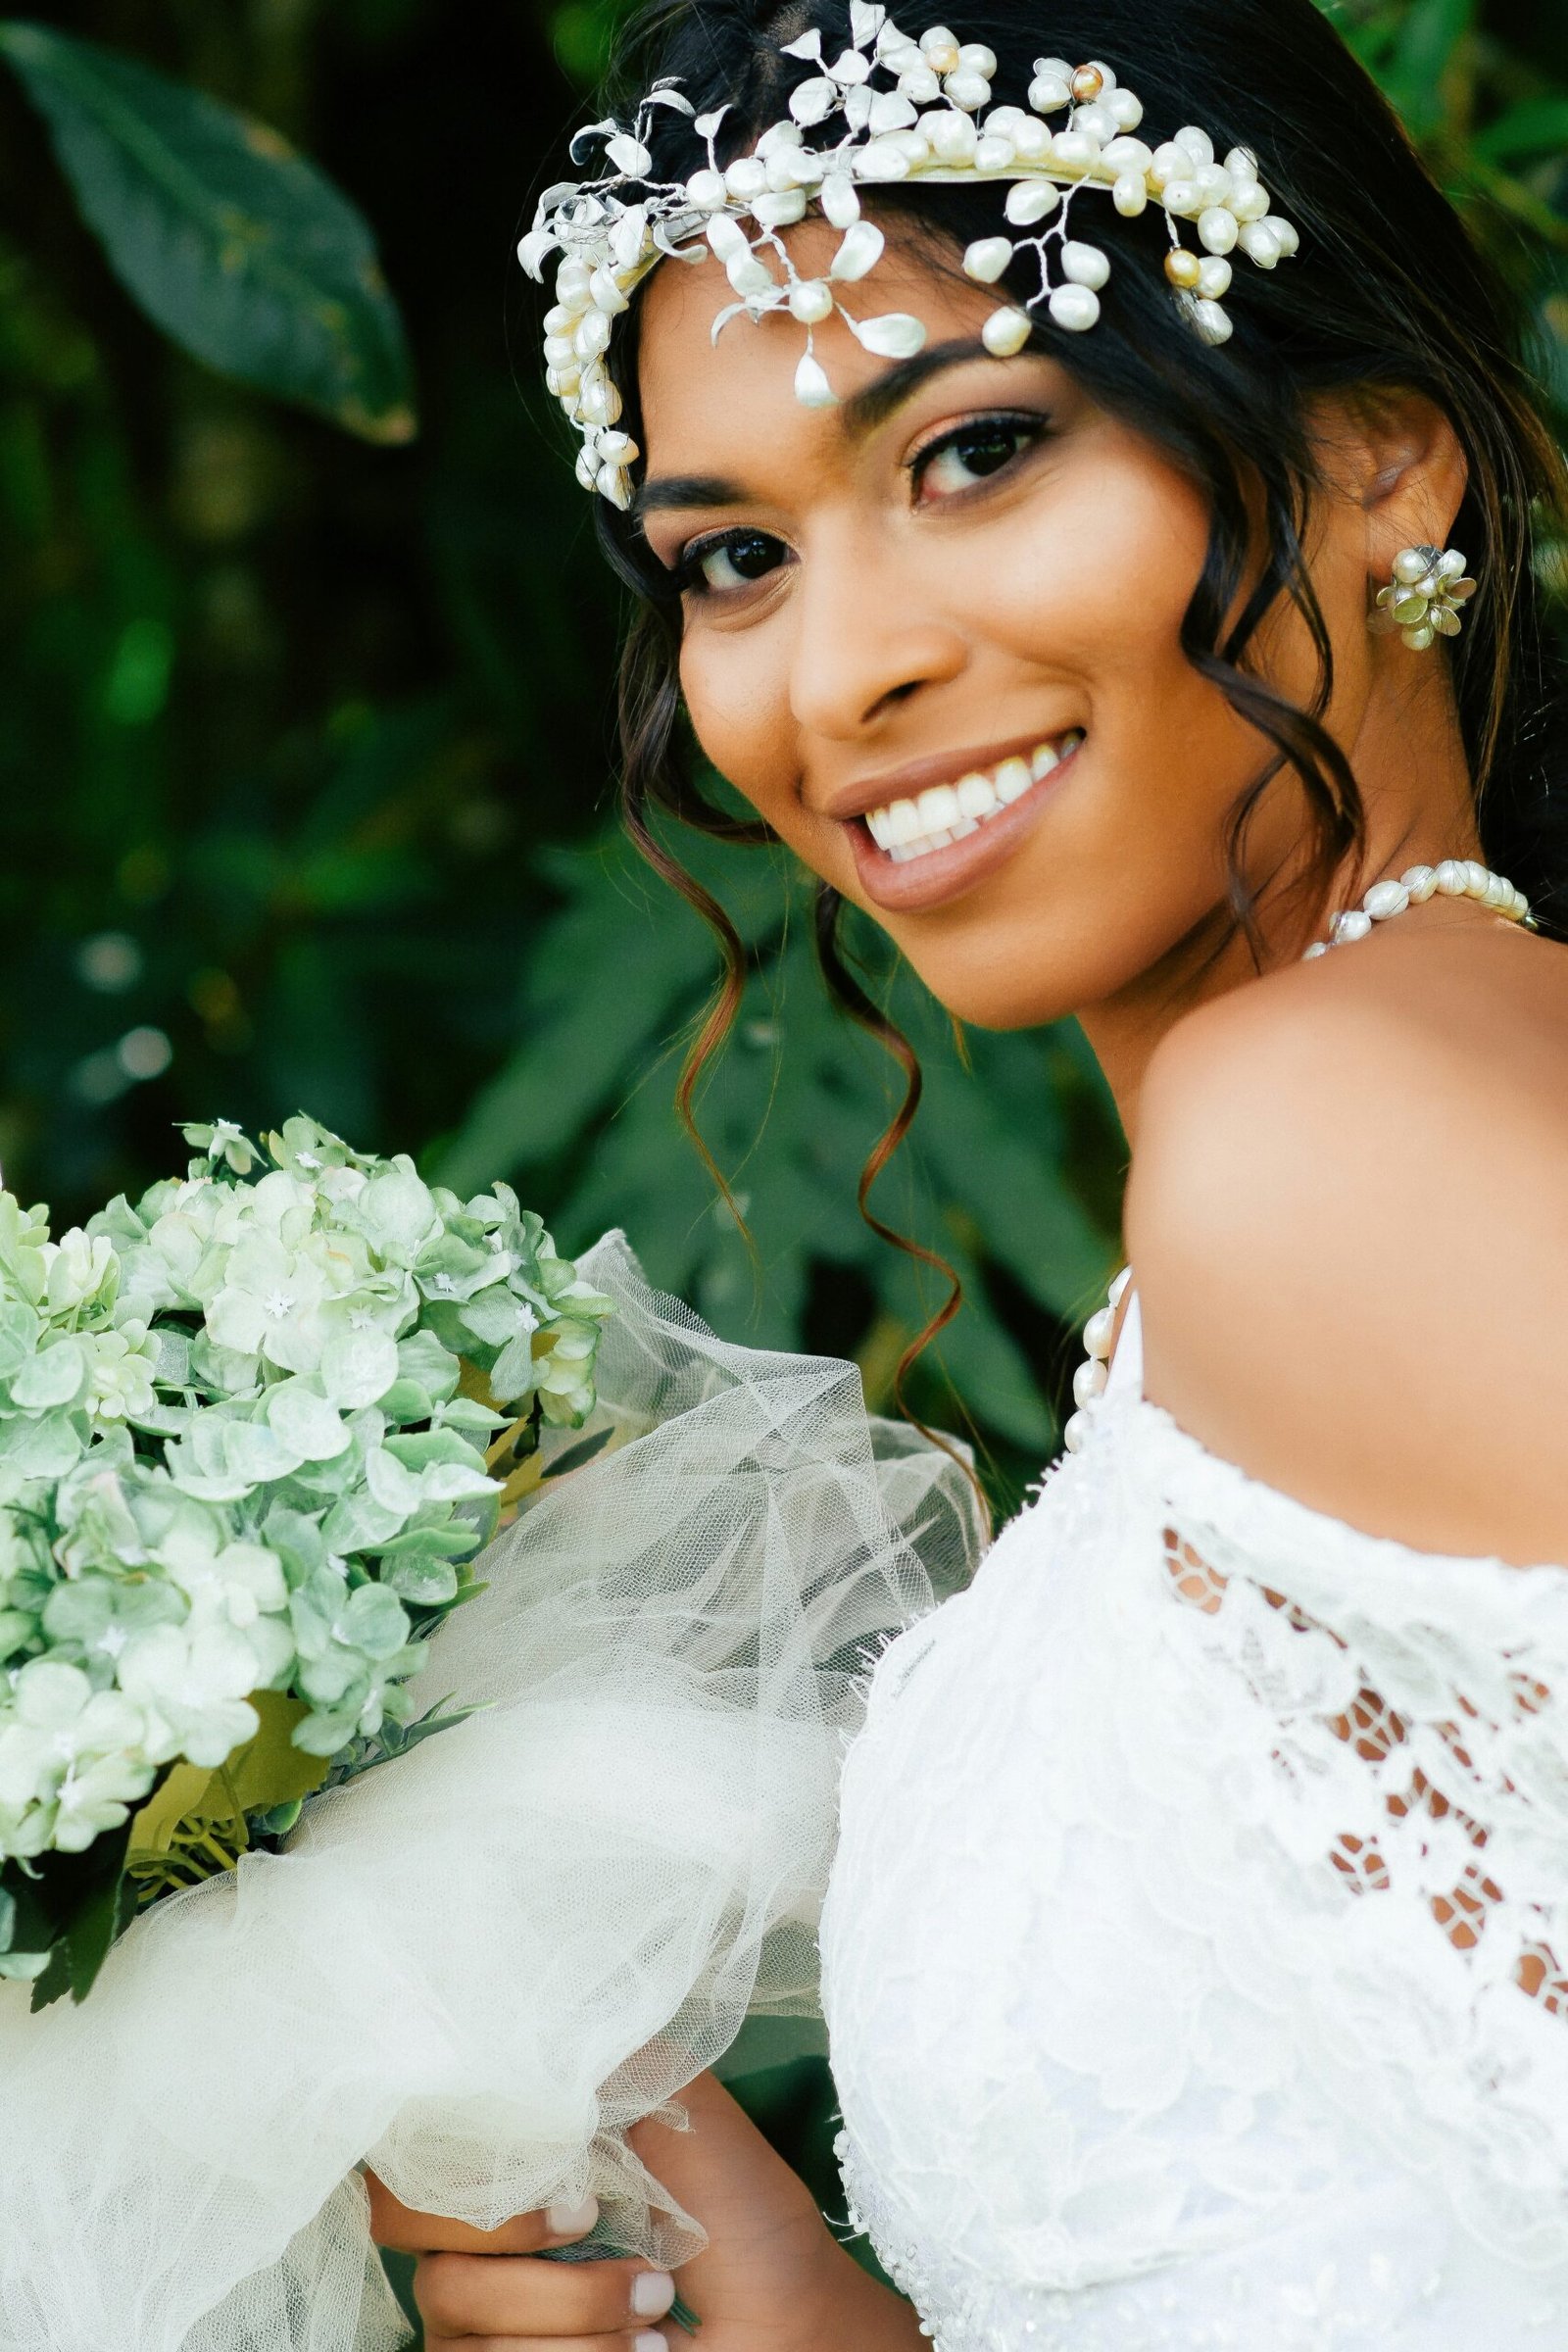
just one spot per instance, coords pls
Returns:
(1194, 1956)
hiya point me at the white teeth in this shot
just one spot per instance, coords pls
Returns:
(939, 809)
(948, 812)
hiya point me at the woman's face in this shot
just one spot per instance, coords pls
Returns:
(950, 607)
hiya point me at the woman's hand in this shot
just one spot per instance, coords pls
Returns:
(488, 2288)
(771, 2278)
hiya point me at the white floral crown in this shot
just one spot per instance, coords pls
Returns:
(911, 110)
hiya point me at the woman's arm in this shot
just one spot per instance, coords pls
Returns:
(772, 2278)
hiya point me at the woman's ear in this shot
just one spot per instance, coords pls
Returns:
(1396, 456)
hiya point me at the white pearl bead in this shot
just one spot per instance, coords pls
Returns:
(1452, 878)
(1009, 330)
(1089, 1381)
(1217, 229)
(1476, 878)
(1419, 882)
(1074, 308)
(812, 301)
(1351, 925)
(1130, 195)
(994, 153)
(1259, 244)
(1319, 947)
(1075, 147)
(1097, 1331)
(1030, 199)
(1410, 565)
(1075, 1432)
(1118, 1287)
(1214, 276)
(1386, 899)
(1499, 892)
(968, 89)
(1249, 202)
(1083, 265)
(987, 257)
(1213, 322)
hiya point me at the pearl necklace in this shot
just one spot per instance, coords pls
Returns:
(1454, 878)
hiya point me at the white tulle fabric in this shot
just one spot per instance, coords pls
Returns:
(1194, 1953)
(478, 1965)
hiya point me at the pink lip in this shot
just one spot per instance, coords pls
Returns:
(944, 874)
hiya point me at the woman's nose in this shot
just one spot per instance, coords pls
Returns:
(867, 639)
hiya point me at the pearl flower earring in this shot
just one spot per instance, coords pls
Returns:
(1423, 599)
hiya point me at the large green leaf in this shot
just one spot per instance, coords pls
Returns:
(239, 249)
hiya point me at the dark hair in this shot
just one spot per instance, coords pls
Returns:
(1389, 293)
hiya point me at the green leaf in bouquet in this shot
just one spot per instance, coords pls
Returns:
(194, 1824)
(72, 1906)
(576, 1457)
(239, 249)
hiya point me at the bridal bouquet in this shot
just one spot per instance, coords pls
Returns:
(253, 1431)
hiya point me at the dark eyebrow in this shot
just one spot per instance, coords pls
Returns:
(860, 413)
(876, 401)
(688, 490)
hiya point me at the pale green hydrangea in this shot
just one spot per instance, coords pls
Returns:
(239, 1454)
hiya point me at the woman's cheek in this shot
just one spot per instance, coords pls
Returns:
(742, 725)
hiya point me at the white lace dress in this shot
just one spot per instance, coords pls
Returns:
(1194, 1951)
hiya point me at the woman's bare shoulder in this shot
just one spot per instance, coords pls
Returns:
(1349, 1212)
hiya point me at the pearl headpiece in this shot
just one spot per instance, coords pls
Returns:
(889, 108)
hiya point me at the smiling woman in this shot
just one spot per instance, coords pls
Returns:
(1196, 1956)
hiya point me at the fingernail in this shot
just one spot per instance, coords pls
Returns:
(652, 2339)
(653, 2293)
(572, 2221)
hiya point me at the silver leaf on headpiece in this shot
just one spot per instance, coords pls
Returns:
(628, 155)
(592, 130)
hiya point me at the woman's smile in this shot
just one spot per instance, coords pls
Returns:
(938, 826)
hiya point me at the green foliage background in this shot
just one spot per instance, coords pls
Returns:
(304, 756)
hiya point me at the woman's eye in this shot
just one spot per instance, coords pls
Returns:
(737, 560)
(972, 452)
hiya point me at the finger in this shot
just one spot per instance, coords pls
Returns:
(481, 2294)
(404, 2231)
(647, 2339)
